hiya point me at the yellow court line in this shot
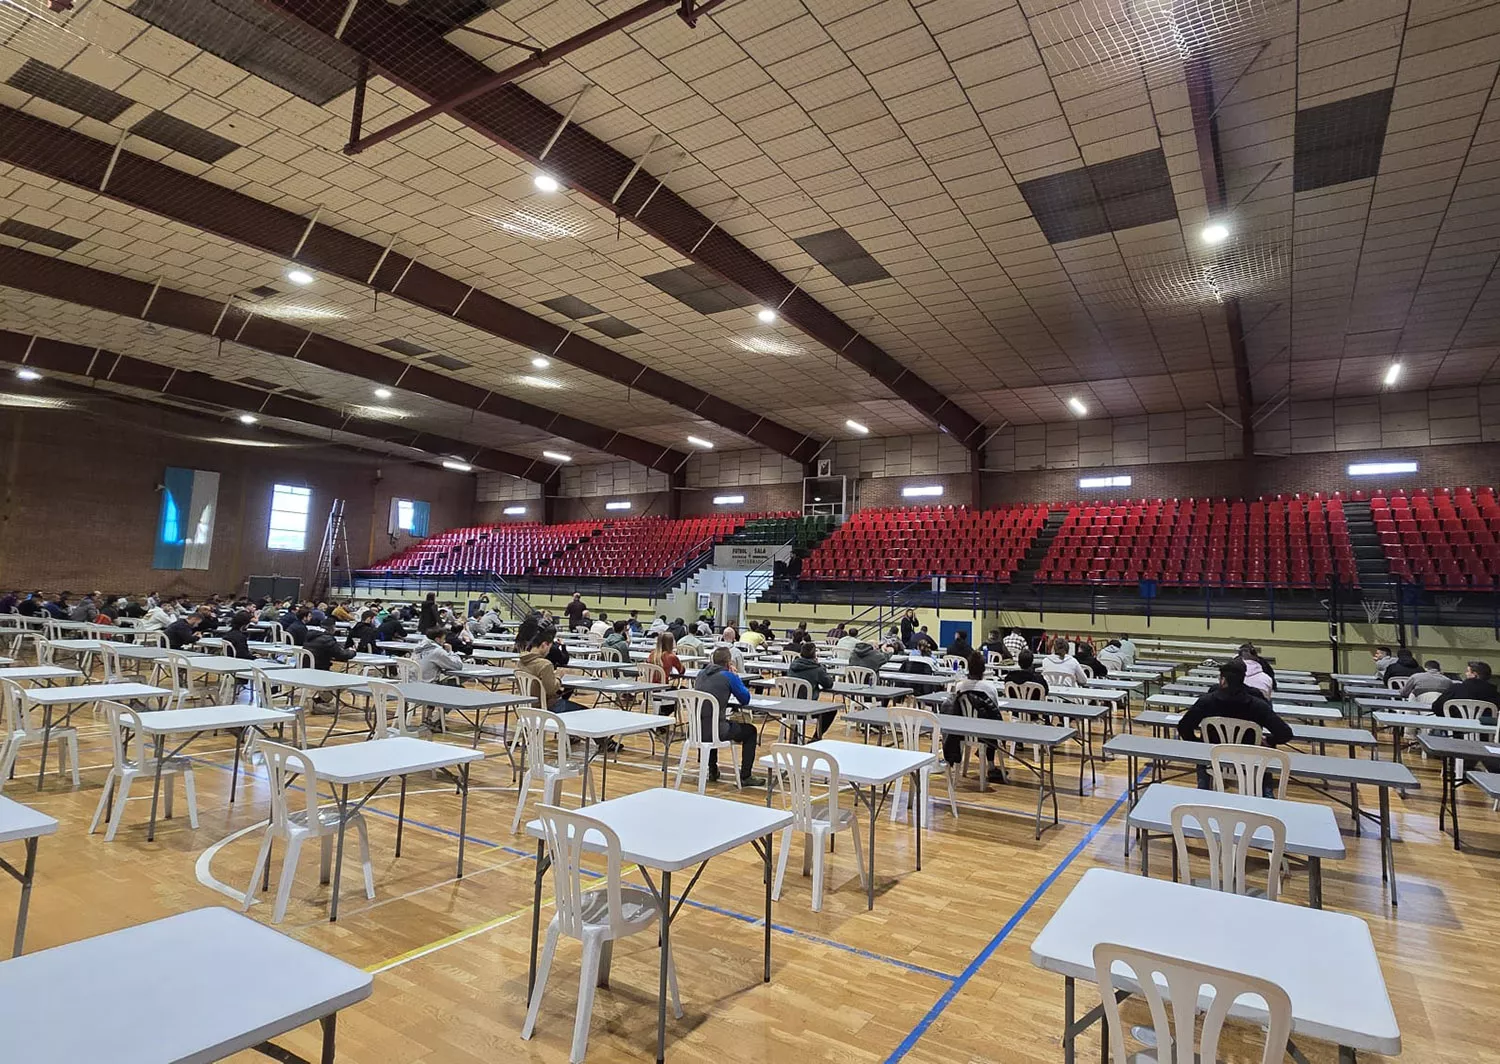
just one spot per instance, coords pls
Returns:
(453, 939)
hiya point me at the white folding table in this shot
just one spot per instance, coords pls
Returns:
(790, 710)
(671, 831)
(192, 723)
(1324, 960)
(865, 769)
(71, 698)
(1311, 831)
(324, 680)
(614, 689)
(217, 982)
(1289, 710)
(469, 703)
(376, 761)
(22, 823)
(601, 724)
(23, 673)
(1399, 720)
(1162, 722)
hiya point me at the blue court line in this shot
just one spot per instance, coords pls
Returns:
(942, 1003)
(755, 921)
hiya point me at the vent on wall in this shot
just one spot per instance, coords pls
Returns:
(842, 256)
(701, 288)
(1340, 141)
(1103, 198)
(69, 90)
(184, 137)
(35, 234)
(257, 39)
(405, 347)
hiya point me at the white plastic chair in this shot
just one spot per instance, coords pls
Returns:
(1472, 709)
(263, 689)
(1175, 1024)
(919, 729)
(388, 706)
(22, 729)
(124, 726)
(861, 676)
(596, 918)
(1228, 835)
(1395, 683)
(816, 817)
(955, 663)
(283, 764)
(1247, 766)
(692, 705)
(1230, 731)
(534, 729)
(175, 672)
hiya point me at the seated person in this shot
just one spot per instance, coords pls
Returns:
(1026, 673)
(1233, 699)
(917, 662)
(325, 649)
(535, 660)
(1062, 664)
(618, 639)
(806, 666)
(1475, 685)
(1405, 665)
(985, 697)
(719, 680)
(1431, 680)
(363, 636)
(435, 662)
(182, 632)
(237, 636)
(1111, 657)
(865, 656)
(1085, 656)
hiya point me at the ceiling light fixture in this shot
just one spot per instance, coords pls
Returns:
(766, 315)
(1104, 482)
(1376, 469)
(855, 426)
(1393, 374)
(1215, 233)
(545, 183)
(457, 466)
(540, 363)
(622, 505)
(1077, 406)
(28, 374)
(557, 456)
(514, 511)
(299, 276)
(248, 419)
(728, 500)
(699, 441)
(383, 393)
(922, 491)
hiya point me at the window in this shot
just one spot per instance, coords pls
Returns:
(1377, 469)
(409, 516)
(1104, 482)
(289, 506)
(404, 515)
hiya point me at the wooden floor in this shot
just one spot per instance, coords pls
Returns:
(938, 972)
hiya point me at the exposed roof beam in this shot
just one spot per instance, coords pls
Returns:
(86, 286)
(415, 55)
(1200, 86)
(40, 146)
(78, 360)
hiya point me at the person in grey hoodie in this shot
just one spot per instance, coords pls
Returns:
(866, 656)
(806, 666)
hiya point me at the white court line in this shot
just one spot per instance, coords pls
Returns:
(206, 877)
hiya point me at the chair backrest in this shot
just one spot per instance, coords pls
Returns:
(1059, 679)
(969, 703)
(565, 832)
(226, 649)
(1247, 766)
(529, 686)
(1429, 697)
(610, 654)
(647, 672)
(1176, 1027)
(1230, 730)
(692, 705)
(994, 657)
(109, 658)
(302, 658)
(798, 768)
(407, 670)
(790, 656)
(794, 687)
(533, 726)
(283, 764)
(17, 713)
(862, 675)
(1228, 835)
(1030, 691)
(915, 729)
(261, 681)
(1469, 708)
(386, 699)
(954, 663)
(1088, 670)
(123, 723)
(1395, 683)
(44, 651)
(174, 668)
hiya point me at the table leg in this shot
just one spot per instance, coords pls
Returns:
(666, 945)
(536, 918)
(330, 1031)
(463, 813)
(917, 801)
(41, 773)
(29, 875)
(666, 748)
(1397, 734)
(1069, 1009)
(1443, 799)
(1130, 763)
(604, 772)
(766, 843)
(1452, 767)
(338, 852)
(870, 883)
(1143, 840)
(234, 774)
(161, 747)
(401, 816)
(1388, 844)
(1315, 881)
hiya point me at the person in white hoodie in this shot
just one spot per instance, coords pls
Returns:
(1061, 664)
(159, 616)
(1257, 678)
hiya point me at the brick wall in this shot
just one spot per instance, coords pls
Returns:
(80, 508)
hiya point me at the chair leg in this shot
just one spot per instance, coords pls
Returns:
(515, 823)
(859, 856)
(702, 770)
(672, 983)
(167, 797)
(190, 791)
(734, 764)
(109, 783)
(544, 968)
(588, 980)
(606, 955)
(819, 863)
(364, 858)
(72, 743)
(681, 765)
(256, 870)
(288, 875)
(896, 796)
(952, 795)
(122, 795)
(786, 845)
(325, 860)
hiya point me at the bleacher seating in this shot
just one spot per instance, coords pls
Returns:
(778, 528)
(643, 546)
(1285, 541)
(1443, 538)
(912, 543)
(509, 550)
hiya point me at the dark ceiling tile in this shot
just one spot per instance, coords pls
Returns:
(1340, 141)
(405, 347)
(446, 362)
(185, 137)
(701, 288)
(842, 256)
(69, 90)
(1109, 196)
(611, 326)
(35, 234)
(572, 307)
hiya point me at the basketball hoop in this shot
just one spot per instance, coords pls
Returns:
(1374, 609)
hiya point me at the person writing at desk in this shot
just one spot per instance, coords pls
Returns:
(535, 660)
(434, 660)
(1233, 699)
(806, 666)
(719, 680)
